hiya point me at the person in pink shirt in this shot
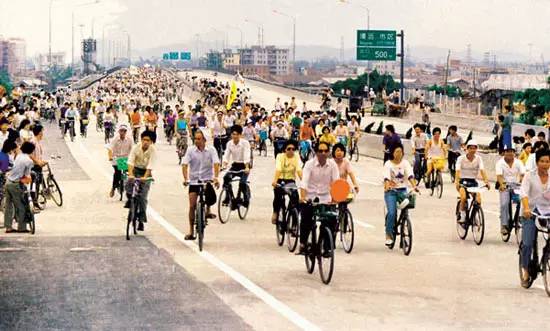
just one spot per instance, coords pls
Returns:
(344, 167)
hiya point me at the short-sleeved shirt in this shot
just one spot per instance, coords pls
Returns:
(317, 179)
(419, 142)
(469, 169)
(398, 173)
(286, 166)
(391, 142)
(201, 163)
(329, 139)
(139, 158)
(21, 168)
(455, 143)
(510, 174)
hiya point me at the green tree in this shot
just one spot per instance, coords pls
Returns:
(5, 81)
(57, 75)
(375, 81)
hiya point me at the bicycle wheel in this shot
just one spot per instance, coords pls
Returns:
(241, 209)
(461, 228)
(280, 227)
(199, 221)
(311, 251)
(439, 185)
(326, 254)
(54, 191)
(224, 210)
(129, 219)
(347, 234)
(406, 235)
(121, 188)
(506, 237)
(292, 229)
(30, 216)
(545, 271)
(356, 152)
(478, 225)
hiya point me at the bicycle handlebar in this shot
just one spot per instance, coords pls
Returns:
(542, 222)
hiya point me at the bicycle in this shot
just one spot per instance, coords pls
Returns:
(403, 226)
(181, 145)
(84, 128)
(251, 142)
(169, 131)
(513, 215)
(452, 164)
(99, 122)
(345, 225)
(235, 202)
(108, 128)
(70, 122)
(474, 215)
(420, 166)
(436, 178)
(320, 246)
(288, 217)
(134, 212)
(262, 146)
(353, 149)
(29, 214)
(200, 211)
(537, 266)
(49, 189)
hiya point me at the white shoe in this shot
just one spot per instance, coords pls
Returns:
(389, 242)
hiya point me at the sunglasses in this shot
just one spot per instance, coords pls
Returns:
(323, 150)
(291, 149)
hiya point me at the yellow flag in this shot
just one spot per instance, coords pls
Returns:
(232, 96)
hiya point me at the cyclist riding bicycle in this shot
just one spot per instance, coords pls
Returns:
(534, 194)
(397, 172)
(70, 116)
(200, 164)
(278, 136)
(237, 156)
(327, 136)
(455, 145)
(141, 162)
(286, 171)
(418, 142)
(354, 130)
(249, 133)
(318, 174)
(341, 132)
(468, 167)
(509, 170)
(436, 151)
(120, 147)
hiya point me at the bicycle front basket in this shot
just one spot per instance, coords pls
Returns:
(122, 163)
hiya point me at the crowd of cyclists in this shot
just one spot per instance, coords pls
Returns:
(312, 148)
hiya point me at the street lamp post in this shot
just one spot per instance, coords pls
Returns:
(260, 31)
(293, 43)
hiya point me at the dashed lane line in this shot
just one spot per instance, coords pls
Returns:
(259, 292)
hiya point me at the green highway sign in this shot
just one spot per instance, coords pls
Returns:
(166, 56)
(185, 56)
(376, 38)
(174, 55)
(376, 54)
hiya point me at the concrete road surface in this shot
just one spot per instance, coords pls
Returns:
(245, 280)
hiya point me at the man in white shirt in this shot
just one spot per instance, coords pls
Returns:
(200, 164)
(237, 156)
(318, 175)
(278, 105)
(509, 171)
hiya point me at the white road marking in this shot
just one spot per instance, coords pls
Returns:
(259, 292)
(368, 182)
(364, 224)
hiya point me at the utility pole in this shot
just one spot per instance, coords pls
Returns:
(446, 80)
(402, 69)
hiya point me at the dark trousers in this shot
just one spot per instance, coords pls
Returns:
(243, 177)
(306, 223)
(36, 176)
(142, 194)
(219, 144)
(15, 205)
(117, 176)
(279, 195)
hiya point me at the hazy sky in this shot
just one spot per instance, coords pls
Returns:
(489, 25)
